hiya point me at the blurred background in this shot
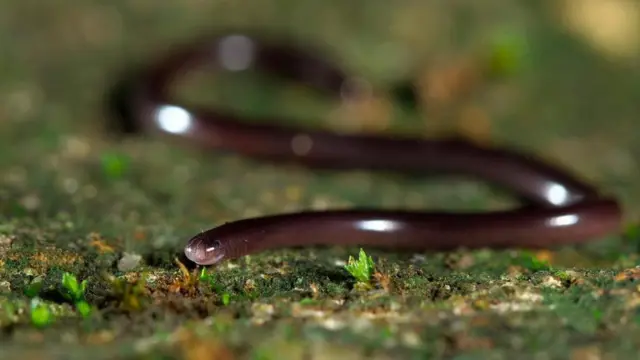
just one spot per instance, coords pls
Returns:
(563, 75)
(557, 78)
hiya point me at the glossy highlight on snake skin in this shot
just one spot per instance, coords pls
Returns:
(557, 207)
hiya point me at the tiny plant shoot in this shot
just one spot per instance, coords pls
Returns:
(362, 269)
(75, 293)
(41, 316)
(114, 165)
(531, 262)
(226, 299)
(507, 53)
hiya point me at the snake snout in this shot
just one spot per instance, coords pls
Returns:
(200, 251)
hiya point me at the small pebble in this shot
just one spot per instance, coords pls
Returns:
(129, 262)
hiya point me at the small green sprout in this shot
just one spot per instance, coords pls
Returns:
(508, 52)
(533, 263)
(83, 308)
(362, 269)
(75, 290)
(75, 293)
(41, 316)
(226, 299)
(114, 165)
(204, 276)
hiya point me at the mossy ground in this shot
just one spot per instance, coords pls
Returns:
(116, 212)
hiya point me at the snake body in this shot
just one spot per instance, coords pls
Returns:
(557, 207)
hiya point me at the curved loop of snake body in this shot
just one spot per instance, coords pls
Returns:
(559, 209)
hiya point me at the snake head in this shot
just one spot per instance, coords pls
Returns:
(203, 250)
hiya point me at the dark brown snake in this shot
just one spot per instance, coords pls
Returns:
(557, 208)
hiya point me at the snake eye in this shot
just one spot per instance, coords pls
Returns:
(216, 245)
(214, 252)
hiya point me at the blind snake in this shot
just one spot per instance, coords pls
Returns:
(557, 208)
